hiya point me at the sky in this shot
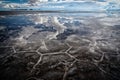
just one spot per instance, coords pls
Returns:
(21, 3)
(15, 1)
(25, 1)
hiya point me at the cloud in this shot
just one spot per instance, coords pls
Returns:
(85, 5)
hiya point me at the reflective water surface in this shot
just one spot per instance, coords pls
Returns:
(59, 47)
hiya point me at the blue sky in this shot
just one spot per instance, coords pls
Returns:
(16, 1)
(19, 1)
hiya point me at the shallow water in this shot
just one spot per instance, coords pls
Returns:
(60, 46)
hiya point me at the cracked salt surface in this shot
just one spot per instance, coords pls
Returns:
(66, 48)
